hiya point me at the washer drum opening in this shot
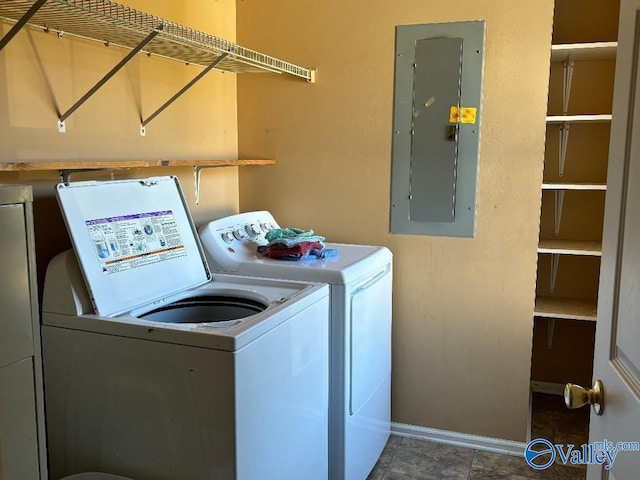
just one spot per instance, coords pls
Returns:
(206, 309)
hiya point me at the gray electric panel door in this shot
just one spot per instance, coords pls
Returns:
(436, 128)
(436, 88)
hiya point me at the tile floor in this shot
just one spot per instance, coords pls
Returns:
(413, 459)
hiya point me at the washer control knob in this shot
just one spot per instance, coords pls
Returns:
(253, 229)
(227, 237)
(265, 228)
(239, 234)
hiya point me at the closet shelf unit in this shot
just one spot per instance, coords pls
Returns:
(113, 24)
(555, 307)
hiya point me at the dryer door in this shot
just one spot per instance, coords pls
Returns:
(370, 337)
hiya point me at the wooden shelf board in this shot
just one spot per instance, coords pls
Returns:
(566, 308)
(574, 186)
(570, 247)
(72, 165)
(584, 51)
(600, 118)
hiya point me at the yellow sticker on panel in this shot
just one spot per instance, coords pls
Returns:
(469, 114)
(463, 114)
(454, 115)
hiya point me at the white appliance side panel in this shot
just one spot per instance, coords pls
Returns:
(135, 240)
(282, 400)
(16, 341)
(18, 429)
(141, 409)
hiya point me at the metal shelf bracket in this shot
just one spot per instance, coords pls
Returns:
(551, 325)
(564, 141)
(145, 122)
(555, 261)
(197, 171)
(21, 23)
(559, 202)
(567, 78)
(566, 87)
(106, 78)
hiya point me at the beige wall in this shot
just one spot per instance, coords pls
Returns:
(40, 74)
(463, 308)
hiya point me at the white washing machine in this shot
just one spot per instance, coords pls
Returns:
(360, 278)
(154, 370)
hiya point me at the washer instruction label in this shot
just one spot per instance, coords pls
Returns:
(133, 241)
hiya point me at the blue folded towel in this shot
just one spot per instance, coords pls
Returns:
(315, 253)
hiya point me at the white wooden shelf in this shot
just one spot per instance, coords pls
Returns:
(574, 186)
(584, 51)
(566, 308)
(600, 118)
(570, 247)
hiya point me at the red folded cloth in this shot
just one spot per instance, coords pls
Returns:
(298, 250)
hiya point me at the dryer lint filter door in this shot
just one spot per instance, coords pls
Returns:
(135, 241)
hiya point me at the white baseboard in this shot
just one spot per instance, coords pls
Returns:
(547, 387)
(477, 442)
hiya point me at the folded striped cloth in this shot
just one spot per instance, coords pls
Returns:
(275, 233)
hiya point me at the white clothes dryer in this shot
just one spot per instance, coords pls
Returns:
(157, 370)
(360, 279)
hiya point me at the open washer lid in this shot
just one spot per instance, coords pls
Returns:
(135, 241)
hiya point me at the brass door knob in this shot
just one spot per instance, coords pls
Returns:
(576, 396)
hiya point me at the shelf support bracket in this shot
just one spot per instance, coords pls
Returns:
(564, 141)
(197, 171)
(551, 325)
(555, 261)
(106, 78)
(21, 23)
(559, 197)
(566, 87)
(144, 123)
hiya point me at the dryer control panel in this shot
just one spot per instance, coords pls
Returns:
(231, 241)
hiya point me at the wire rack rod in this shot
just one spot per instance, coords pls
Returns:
(112, 23)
